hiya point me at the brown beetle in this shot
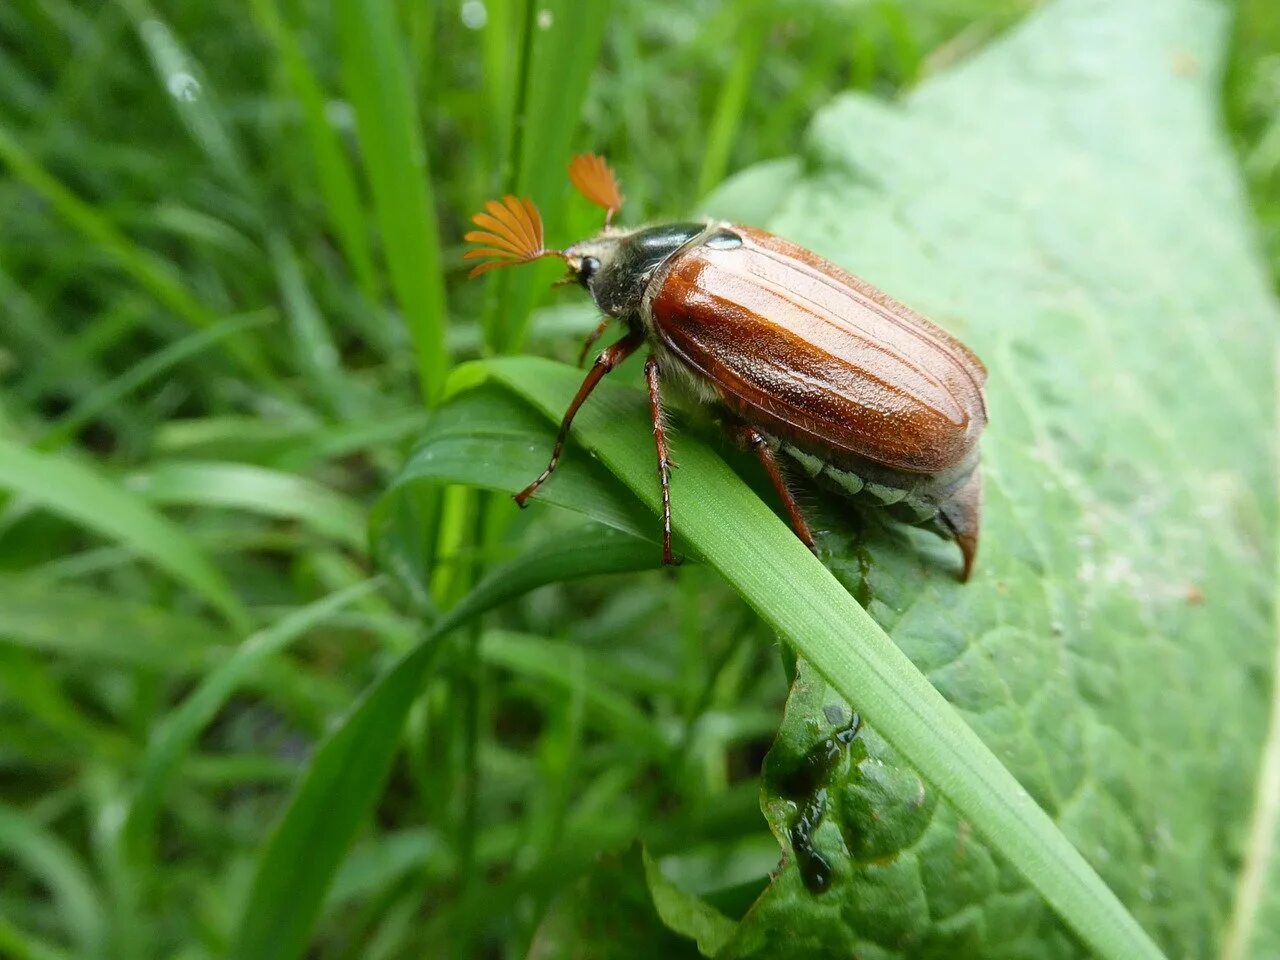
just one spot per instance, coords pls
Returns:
(856, 388)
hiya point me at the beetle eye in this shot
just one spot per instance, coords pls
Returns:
(588, 269)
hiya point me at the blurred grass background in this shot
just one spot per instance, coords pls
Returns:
(230, 290)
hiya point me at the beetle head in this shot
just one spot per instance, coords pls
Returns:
(591, 261)
(617, 265)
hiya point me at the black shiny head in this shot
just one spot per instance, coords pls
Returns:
(616, 267)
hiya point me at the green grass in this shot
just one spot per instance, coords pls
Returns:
(231, 298)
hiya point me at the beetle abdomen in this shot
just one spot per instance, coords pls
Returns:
(817, 357)
(950, 502)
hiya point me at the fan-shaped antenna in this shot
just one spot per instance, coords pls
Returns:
(595, 180)
(510, 234)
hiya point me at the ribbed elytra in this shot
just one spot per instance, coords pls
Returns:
(805, 359)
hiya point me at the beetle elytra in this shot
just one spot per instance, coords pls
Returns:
(807, 360)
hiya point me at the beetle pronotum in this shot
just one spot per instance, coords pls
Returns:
(806, 359)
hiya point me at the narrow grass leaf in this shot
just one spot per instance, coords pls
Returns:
(344, 779)
(313, 341)
(566, 670)
(560, 43)
(177, 733)
(395, 162)
(87, 626)
(147, 270)
(335, 176)
(484, 438)
(81, 495)
(753, 25)
(191, 96)
(18, 945)
(107, 396)
(255, 489)
(47, 858)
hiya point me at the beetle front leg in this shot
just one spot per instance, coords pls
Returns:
(609, 358)
(651, 376)
(592, 337)
(756, 441)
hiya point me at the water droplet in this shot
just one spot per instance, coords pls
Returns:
(474, 14)
(545, 19)
(183, 86)
(340, 115)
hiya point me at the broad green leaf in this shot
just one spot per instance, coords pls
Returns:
(755, 194)
(1255, 917)
(686, 914)
(1102, 265)
(737, 535)
(608, 915)
(843, 806)
(1110, 647)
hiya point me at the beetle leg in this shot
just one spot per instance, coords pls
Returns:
(592, 338)
(609, 358)
(651, 373)
(760, 445)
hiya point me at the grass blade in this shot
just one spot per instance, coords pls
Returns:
(335, 176)
(560, 45)
(85, 497)
(753, 27)
(47, 857)
(110, 394)
(256, 489)
(481, 439)
(148, 271)
(178, 732)
(378, 85)
(22, 946)
(344, 779)
(191, 96)
(567, 670)
(85, 626)
(313, 342)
